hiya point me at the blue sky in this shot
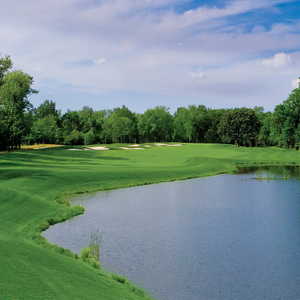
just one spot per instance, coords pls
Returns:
(142, 53)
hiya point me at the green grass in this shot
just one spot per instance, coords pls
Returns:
(34, 185)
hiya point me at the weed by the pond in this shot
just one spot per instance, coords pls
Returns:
(91, 254)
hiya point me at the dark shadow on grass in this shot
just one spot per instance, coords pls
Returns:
(58, 156)
(7, 174)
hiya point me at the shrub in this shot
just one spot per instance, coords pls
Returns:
(91, 254)
(87, 256)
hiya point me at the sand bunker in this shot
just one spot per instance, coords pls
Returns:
(89, 149)
(168, 145)
(136, 145)
(126, 148)
(100, 148)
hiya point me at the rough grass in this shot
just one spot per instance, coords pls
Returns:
(35, 184)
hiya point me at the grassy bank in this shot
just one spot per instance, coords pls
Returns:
(34, 182)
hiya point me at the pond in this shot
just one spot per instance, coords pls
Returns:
(217, 238)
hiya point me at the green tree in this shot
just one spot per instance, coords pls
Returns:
(86, 119)
(266, 136)
(239, 126)
(191, 124)
(46, 109)
(156, 125)
(287, 119)
(183, 125)
(44, 130)
(214, 117)
(121, 126)
(89, 137)
(98, 129)
(5, 66)
(74, 138)
(70, 123)
(15, 89)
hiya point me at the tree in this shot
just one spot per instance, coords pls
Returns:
(5, 65)
(239, 126)
(70, 123)
(287, 119)
(74, 138)
(46, 109)
(183, 125)
(191, 124)
(86, 119)
(156, 125)
(214, 117)
(98, 129)
(121, 126)
(15, 89)
(44, 130)
(89, 137)
(200, 122)
(266, 132)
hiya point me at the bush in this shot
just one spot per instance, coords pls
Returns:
(91, 254)
(87, 256)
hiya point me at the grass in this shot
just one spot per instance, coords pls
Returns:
(34, 186)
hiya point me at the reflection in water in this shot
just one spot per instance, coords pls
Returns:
(280, 172)
(217, 238)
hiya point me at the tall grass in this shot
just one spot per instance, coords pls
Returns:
(91, 254)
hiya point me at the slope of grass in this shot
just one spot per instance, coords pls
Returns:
(35, 183)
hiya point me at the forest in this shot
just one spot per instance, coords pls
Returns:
(21, 123)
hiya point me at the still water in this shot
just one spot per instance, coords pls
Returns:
(217, 238)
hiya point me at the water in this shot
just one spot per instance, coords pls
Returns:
(218, 238)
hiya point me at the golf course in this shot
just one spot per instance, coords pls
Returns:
(35, 188)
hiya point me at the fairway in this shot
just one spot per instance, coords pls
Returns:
(34, 187)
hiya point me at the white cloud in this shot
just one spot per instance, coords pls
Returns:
(100, 61)
(279, 60)
(151, 48)
(295, 83)
(197, 75)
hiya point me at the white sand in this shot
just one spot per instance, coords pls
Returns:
(125, 148)
(98, 148)
(168, 145)
(75, 149)
(136, 145)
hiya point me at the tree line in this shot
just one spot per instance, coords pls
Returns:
(21, 123)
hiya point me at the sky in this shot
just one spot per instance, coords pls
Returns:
(144, 53)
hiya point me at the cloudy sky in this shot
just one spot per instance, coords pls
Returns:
(143, 53)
